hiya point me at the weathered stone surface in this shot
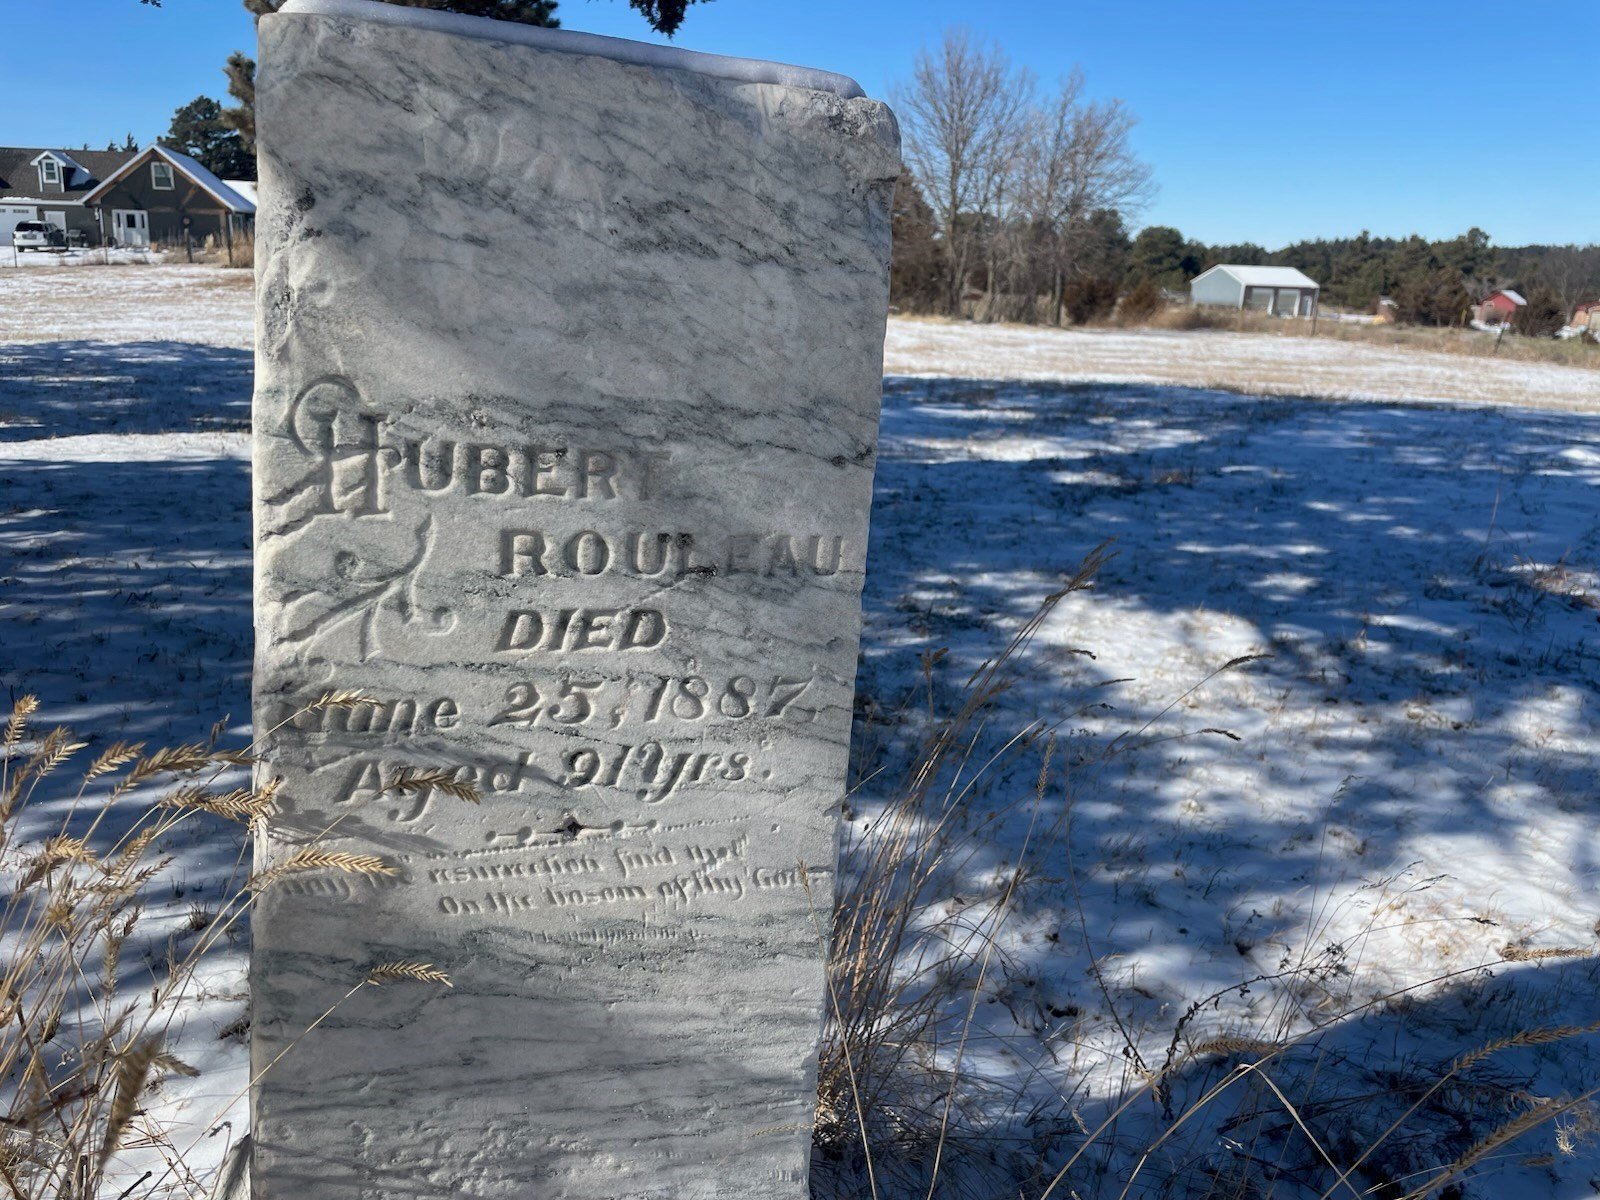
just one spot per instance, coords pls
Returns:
(566, 412)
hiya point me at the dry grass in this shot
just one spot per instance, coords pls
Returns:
(1572, 352)
(215, 252)
(82, 1047)
(887, 1108)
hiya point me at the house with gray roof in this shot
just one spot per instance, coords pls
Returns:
(151, 197)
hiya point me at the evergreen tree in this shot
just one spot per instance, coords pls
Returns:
(241, 118)
(1433, 297)
(664, 15)
(1242, 254)
(917, 264)
(1100, 247)
(1469, 253)
(1159, 254)
(130, 144)
(200, 131)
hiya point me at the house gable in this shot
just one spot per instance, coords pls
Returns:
(176, 179)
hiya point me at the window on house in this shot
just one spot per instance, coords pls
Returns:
(50, 171)
(161, 176)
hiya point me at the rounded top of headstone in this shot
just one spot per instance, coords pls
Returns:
(743, 70)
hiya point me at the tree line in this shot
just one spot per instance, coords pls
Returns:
(1430, 283)
(1017, 204)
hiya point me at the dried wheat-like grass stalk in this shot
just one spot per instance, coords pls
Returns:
(347, 698)
(56, 748)
(409, 781)
(240, 804)
(1229, 1045)
(174, 1066)
(172, 760)
(1541, 1112)
(132, 1073)
(18, 722)
(78, 1060)
(1516, 953)
(1524, 1037)
(312, 859)
(394, 971)
(118, 754)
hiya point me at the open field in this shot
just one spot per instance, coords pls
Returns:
(196, 305)
(1403, 790)
(1331, 367)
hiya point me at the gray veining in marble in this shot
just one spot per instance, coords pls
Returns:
(566, 412)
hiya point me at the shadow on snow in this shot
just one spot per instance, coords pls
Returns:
(1407, 795)
(1409, 790)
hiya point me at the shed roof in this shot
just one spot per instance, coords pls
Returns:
(1284, 277)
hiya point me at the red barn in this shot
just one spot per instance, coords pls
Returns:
(1497, 307)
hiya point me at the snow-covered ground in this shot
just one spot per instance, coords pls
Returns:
(78, 257)
(182, 304)
(1412, 788)
(1248, 362)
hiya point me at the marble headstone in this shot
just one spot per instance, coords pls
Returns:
(569, 358)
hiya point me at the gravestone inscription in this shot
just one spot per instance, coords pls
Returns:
(569, 359)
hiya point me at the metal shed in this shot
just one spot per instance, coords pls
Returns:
(1280, 291)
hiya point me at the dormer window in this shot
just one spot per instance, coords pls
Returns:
(161, 176)
(50, 172)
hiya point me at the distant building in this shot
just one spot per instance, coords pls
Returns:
(165, 197)
(1587, 316)
(124, 198)
(1385, 311)
(1280, 291)
(38, 184)
(1498, 307)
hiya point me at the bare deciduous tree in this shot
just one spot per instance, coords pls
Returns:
(962, 115)
(1020, 189)
(1078, 161)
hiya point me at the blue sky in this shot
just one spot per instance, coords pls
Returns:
(1264, 121)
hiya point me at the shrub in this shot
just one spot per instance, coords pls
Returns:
(1089, 299)
(1142, 302)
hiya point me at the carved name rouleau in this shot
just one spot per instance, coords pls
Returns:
(652, 555)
